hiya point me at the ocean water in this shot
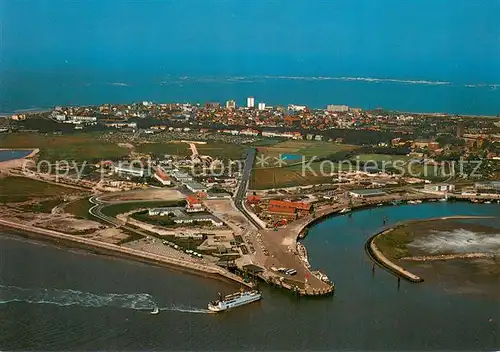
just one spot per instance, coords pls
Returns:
(13, 154)
(68, 300)
(44, 89)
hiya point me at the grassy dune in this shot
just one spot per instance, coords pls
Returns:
(78, 147)
(20, 189)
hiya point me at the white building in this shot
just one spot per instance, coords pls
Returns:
(337, 108)
(182, 176)
(439, 187)
(122, 124)
(195, 187)
(84, 118)
(230, 104)
(129, 171)
(249, 132)
(250, 102)
(293, 107)
(162, 177)
(367, 193)
(262, 106)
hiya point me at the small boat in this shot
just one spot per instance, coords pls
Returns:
(380, 204)
(414, 202)
(443, 200)
(155, 311)
(487, 202)
(345, 210)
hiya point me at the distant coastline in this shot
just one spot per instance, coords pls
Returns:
(417, 95)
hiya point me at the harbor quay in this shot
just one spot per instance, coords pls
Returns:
(294, 255)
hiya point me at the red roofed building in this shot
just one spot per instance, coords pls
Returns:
(162, 177)
(253, 199)
(288, 204)
(288, 213)
(286, 207)
(193, 204)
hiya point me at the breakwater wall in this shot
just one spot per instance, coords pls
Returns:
(119, 251)
(439, 257)
(381, 260)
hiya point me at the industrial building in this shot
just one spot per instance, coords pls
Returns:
(181, 176)
(488, 186)
(195, 187)
(287, 208)
(439, 187)
(367, 193)
(128, 170)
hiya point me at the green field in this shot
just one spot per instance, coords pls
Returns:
(79, 208)
(218, 150)
(290, 176)
(116, 209)
(20, 189)
(302, 148)
(44, 206)
(160, 149)
(79, 147)
(381, 158)
(222, 150)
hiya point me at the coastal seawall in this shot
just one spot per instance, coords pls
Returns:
(119, 251)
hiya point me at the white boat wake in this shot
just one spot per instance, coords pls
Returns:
(65, 298)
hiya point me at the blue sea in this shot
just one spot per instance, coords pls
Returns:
(6, 155)
(41, 90)
(418, 56)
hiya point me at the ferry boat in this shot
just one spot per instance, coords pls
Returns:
(234, 300)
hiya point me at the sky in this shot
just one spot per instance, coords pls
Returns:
(425, 39)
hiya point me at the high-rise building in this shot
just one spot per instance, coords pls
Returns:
(250, 102)
(230, 104)
(262, 106)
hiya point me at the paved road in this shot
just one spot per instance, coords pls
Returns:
(239, 197)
